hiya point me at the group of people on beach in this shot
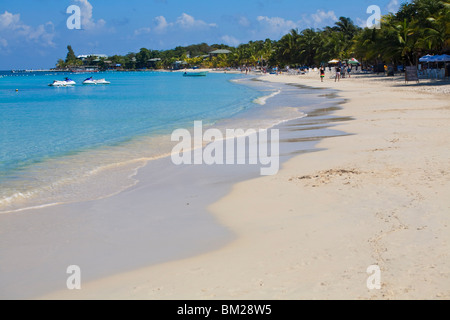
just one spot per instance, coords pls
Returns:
(340, 71)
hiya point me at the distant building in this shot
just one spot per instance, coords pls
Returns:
(113, 66)
(220, 51)
(177, 65)
(83, 69)
(153, 62)
(83, 57)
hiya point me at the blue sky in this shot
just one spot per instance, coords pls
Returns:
(34, 33)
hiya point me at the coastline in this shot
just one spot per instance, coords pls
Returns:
(67, 176)
(163, 217)
(377, 197)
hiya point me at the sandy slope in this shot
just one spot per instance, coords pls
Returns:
(380, 197)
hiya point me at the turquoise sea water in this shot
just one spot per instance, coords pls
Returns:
(76, 143)
(52, 139)
(40, 122)
(43, 129)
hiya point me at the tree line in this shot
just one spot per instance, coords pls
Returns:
(418, 28)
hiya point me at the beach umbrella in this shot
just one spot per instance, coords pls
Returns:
(334, 61)
(427, 58)
(353, 61)
(442, 58)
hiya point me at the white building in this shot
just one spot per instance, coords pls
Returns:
(85, 56)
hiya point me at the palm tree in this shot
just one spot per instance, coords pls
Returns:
(367, 44)
(287, 51)
(309, 45)
(334, 45)
(347, 27)
(408, 37)
(437, 37)
(267, 50)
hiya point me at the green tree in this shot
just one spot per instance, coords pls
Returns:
(61, 64)
(347, 27)
(71, 58)
(418, 28)
(309, 46)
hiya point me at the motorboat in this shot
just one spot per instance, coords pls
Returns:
(92, 81)
(65, 83)
(69, 82)
(89, 81)
(195, 74)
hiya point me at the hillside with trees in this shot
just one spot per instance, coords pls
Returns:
(418, 28)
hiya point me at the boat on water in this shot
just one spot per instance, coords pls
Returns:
(65, 83)
(92, 81)
(195, 74)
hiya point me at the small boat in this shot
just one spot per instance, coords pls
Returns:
(195, 74)
(65, 83)
(95, 82)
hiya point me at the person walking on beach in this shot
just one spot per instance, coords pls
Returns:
(349, 69)
(322, 73)
(338, 74)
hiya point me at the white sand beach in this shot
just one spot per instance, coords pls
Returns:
(379, 196)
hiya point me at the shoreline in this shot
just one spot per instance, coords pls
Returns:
(121, 175)
(94, 162)
(377, 197)
(164, 215)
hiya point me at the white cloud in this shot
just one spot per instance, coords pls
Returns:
(321, 16)
(3, 43)
(277, 25)
(142, 31)
(186, 21)
(9, 20)
(161, 24)
(393, 6)
(12, 28)
(87, 21)
(243, 21)
(43, 33)
(183, 22)
(318, 19)
(230, 40)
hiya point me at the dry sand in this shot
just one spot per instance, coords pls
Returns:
(378, 197)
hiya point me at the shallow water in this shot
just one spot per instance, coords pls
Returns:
(161, 218)
(62, 145)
